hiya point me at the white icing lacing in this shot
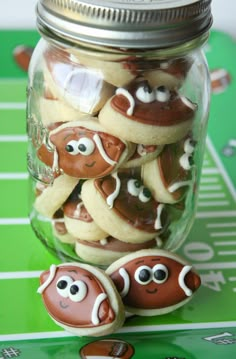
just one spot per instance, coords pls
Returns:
(159, 242)
(188, 103)
(111, 198)
(158, 224)
(188, 292)
(50, 278)
(124, 92)
(90, 88)
(141, 150)
(126, 280)
(98, 142)
(58, 220)
(55, 165)
(94, 315)
(78, 209)
(174, 187)
(103, 241)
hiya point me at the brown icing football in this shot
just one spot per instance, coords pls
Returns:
(83, 150)
(107, 348)
(170, 175)
(146, 115)
(153, 281)
(80, 298)
(124, 207)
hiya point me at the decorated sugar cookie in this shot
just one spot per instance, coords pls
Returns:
(146, 115)
(122, 206)
(171, 174)
(81, 87)
(107, 349)
(170, 73)
(83, 149)
(153, 282)
(53, 196)
(78, 221)
(109, 249)
(142, 155)
(59, 229)
(81, 299)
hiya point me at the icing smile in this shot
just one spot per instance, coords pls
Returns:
(151, 291)
(90, 165)
(62, 305)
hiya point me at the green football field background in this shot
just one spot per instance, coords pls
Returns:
(211, 245)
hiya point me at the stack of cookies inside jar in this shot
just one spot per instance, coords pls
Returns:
(114, 141)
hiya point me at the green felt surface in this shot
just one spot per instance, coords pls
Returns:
(211, 245)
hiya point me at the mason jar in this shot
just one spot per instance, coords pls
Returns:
(118, 102)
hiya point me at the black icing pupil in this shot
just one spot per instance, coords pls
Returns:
(137, 184)
(160, 274)
(69, 148)
(144, 275)
(82, 147)
(190, 160)
(161, 89)
(74, 289)
(62, 284)
(147, 88)
(146, 192)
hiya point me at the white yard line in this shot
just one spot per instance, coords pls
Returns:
(14, 221)
(13, 138)
(210, 171)
(221, 225)
(211, 195)
(213, 203)
(208, 188)
(131, 329)
(221, 168)
(20, 275)
(12, 105)
(216, 214)
(14, 176)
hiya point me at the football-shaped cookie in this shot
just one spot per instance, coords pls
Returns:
(78, 221)
(123, 207)
(171, 174)
(153, 281)
(146, 115)
(107, 349)
(83, 149)
(81, 299)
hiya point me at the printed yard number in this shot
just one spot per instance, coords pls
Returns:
(198, 251)
(213, 280)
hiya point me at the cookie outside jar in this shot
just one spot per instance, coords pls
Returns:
(117, 110)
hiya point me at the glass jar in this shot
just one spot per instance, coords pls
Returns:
(118, 101)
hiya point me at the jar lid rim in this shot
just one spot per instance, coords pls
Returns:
(126, 23)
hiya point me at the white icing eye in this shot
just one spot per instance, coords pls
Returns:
(134, 187)
(77, 291)
(160, 273)
(143, 275)
(85, 146)
(141, 150)
(145, 195)
(189, 146)
(72, 147)
(145, 94)
(162, 94)
(186, 161)
(63, 285)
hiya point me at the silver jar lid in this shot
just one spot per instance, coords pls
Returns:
(126, 23)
